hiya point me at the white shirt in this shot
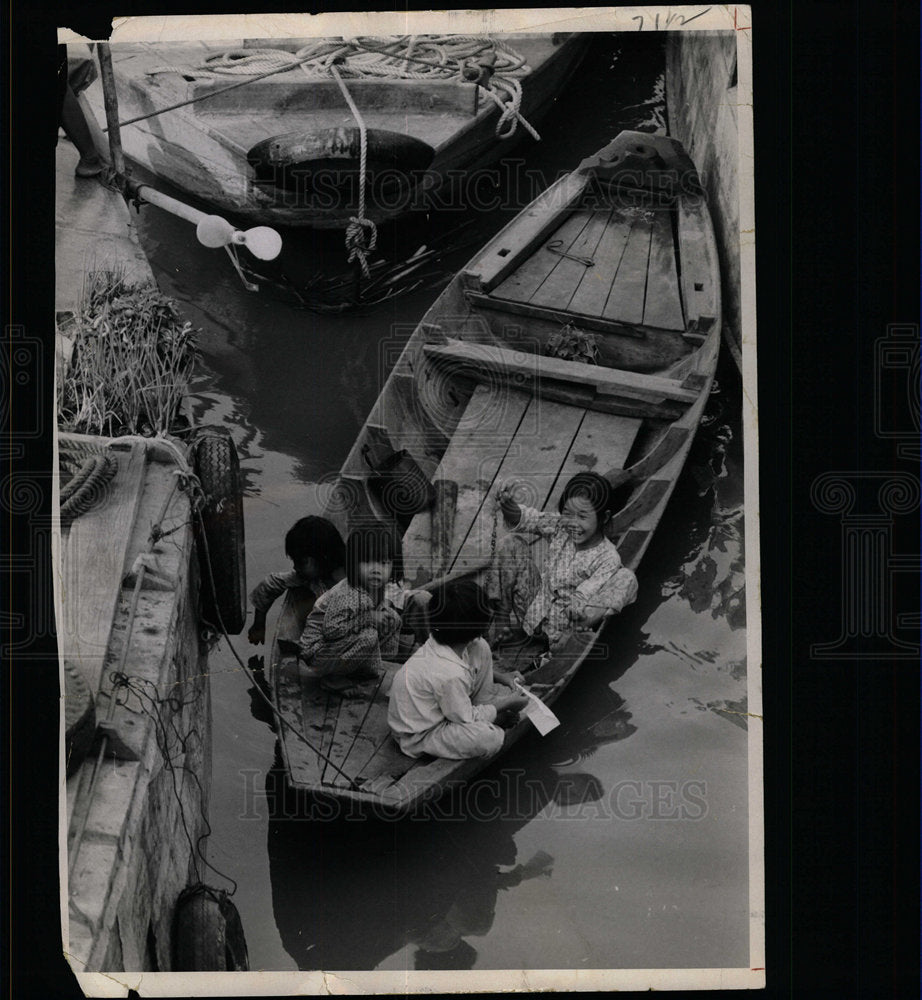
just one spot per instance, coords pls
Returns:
(436, 685)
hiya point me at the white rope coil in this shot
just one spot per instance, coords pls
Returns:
(406, 57)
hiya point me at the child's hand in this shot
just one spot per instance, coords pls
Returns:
(509, 680)
(511, 703)
(507, 710)
(588, 618)
(505, 494)
(505, 497)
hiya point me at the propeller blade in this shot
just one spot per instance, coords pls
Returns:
(213, 231)
(263, 242)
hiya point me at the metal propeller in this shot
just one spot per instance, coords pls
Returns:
(261, 241)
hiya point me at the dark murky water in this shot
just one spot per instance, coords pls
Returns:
(620, 840)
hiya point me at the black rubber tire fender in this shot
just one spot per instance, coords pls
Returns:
(208, 933)
(79, 718)
(222, 551)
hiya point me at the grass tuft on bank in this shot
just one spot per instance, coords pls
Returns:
(132, 359)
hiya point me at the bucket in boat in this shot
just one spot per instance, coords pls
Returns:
(400, 485)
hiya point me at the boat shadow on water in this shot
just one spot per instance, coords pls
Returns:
(445, 868)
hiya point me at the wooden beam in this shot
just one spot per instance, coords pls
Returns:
(561, 316)
(503, 254)
(654, 460)
(643, 501)
(609, 381)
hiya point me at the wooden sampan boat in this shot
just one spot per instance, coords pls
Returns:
(284, 148)
(622, 249)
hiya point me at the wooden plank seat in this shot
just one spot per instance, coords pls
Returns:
(532, 311)
(591, 386)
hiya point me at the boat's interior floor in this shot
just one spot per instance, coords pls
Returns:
(628, 271)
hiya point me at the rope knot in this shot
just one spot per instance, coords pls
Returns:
(361, 239)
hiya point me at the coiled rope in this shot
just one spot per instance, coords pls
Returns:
(83, 491)
(432, 57)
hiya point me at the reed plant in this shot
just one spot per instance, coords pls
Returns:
(132, 360)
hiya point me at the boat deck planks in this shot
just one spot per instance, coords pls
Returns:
(602, 445)
(485, 431)
(663, 306)
(361, 733)
(534, 458)
(525, 281)
(633, 280)
(626, 301)
(562, 283)
(593, 291)
(388, 762)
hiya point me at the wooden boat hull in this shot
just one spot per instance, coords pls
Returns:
(209, 149)
(477, 401)
(130, 798)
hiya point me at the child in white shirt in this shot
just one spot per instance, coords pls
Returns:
(442, 700)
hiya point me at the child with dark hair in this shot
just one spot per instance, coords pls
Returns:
(582, 579)
(354, 625)
(317, 555)
(442, 700)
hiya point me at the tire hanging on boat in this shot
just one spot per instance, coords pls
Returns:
(79, 718)
(207, 932)
(221, 545)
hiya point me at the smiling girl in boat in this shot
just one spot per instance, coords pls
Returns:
(442, 700)
(318, 557)
(354, 625)
(582, 578)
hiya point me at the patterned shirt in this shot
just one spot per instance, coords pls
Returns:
(344, 611)
(571, 578)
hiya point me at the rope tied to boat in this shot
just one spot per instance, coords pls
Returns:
(361, 233)
(445, 57)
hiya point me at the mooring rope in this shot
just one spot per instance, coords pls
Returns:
(361, 233)
(83, 491)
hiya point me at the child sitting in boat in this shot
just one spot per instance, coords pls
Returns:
(442, 700)
(318, 557)
(355, 625)
(582, 579)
